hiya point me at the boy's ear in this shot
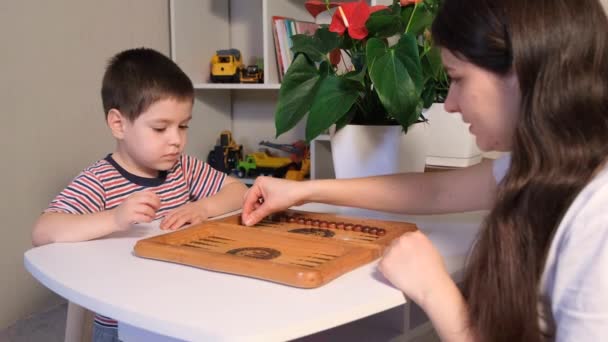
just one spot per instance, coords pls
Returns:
(116, 122)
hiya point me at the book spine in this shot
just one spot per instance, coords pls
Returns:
(277, 24)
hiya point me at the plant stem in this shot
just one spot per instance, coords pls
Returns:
(409, 22)
(358, 103)
(426, 50)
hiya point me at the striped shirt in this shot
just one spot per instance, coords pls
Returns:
(105, 185)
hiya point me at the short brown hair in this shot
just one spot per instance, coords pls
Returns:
(136, 78)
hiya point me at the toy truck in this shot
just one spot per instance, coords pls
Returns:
(225, 154)
(300, 173)
(226, 66)
(299, 154)
(263, 164)
(252, 74)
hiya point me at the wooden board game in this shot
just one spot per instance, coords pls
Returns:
(296, 248)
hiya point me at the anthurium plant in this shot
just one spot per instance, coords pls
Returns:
(371, 66)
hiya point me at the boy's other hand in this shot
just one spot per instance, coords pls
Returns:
(139, 207)
(190, 213)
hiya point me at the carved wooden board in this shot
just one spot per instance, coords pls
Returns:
(296, 248)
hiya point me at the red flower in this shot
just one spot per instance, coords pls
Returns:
(316, 7)
(352, 16)
(335, 56)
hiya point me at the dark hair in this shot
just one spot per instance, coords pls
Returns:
(136, 78)
(559, 52)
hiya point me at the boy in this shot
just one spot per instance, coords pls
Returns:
(148, 102)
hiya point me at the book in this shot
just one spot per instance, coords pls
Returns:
(277, 47)
(283, 29)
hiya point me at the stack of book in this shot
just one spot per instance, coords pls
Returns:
(283, 28)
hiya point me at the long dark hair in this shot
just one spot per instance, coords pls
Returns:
(559, 52)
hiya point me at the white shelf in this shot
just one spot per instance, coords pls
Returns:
(198, 29)
(252, 86)
(323, 137)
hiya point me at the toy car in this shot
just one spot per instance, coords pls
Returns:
(261, 163)
(299, 153)
(226, 153)
(226, 66)
(252, 74)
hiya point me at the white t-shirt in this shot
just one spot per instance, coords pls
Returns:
(574, 283)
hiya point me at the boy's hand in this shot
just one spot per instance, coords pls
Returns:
(193, 213)
(139, 207)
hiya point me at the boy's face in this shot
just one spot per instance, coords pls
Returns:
(155, 140)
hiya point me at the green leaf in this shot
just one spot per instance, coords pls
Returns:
(433, 57)
(308, 46)
(327, 40)
(395, 7)
(334, 99)
(423, 18)
(345, 119)
(315, 47)
(358, 76)
(384, 24)
(396, 76)
(428, 94)
(407, 52)
(374, 49)
(297, 93)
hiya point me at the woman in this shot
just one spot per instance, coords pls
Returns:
(531, 77)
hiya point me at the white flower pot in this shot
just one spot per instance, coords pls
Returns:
(451, 143)
(361, 151)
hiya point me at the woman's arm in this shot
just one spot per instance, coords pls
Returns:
(471, 188)
(467, 189)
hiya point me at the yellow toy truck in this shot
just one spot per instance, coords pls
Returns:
(252, 74)
(226, 66)
(263, 164)
(299, 154)
(301, 173)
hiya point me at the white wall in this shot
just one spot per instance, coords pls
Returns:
(52, 57)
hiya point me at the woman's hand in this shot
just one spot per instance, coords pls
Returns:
(414, 265)
(268, 195)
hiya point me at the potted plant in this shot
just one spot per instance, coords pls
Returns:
(373, 66)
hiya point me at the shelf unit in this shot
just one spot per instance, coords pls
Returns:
(200, 27)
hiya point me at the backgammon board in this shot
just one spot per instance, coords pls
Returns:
(296, 248)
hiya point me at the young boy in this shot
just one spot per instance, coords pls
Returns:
(148, 102)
